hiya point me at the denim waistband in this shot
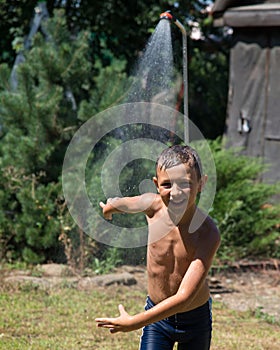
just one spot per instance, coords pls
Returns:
(187, 315)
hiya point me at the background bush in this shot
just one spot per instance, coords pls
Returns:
(245, 208)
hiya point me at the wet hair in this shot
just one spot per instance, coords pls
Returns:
(179, 154)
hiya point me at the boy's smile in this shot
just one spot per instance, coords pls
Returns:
(178, 187)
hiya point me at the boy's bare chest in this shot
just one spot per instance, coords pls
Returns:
(172, 249)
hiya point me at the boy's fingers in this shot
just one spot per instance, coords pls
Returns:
(101, 320)
(121, 309)
(102, 205)
(113, 330)
(104, 324)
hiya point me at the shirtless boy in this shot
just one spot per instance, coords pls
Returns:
(178, 307)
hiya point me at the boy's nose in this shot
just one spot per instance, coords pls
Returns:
(175, 191)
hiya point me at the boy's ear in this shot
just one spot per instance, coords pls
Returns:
(202, 183)
(155, 180)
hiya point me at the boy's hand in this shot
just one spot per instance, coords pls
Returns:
(123, 323)
(107, 215)
(108, 208)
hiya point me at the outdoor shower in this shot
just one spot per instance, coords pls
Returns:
(169, 16)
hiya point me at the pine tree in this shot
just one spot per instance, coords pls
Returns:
(38, 120)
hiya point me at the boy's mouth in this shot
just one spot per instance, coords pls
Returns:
(179, 203)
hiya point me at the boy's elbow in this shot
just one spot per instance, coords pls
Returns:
(184, 299)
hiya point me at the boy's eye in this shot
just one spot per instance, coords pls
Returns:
(185, 185)
(166, 185)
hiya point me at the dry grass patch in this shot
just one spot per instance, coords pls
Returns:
(63, 319)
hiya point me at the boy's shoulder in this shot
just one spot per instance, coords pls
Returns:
(210, 232)
(205, 224)
(211, 225)
(153, 203)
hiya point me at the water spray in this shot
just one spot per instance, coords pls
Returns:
(169, 16)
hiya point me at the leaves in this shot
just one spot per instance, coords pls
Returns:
(244, 208)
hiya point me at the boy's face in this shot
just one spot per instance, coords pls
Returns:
(178, 187)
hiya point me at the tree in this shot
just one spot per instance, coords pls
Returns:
(122, 25)
(14, 25)
(121, 28)
(38, 121)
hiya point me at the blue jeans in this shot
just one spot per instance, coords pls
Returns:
(192, 330)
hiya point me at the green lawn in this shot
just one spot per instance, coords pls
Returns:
(63, 319)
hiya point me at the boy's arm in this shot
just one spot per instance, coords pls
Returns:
(139, 204)
(191, 283)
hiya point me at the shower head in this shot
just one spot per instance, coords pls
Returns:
(166, 15)
(169, 15)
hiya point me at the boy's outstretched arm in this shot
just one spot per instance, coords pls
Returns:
(139, 204)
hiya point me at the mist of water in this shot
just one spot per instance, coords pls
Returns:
(153, 81)
(154, 72)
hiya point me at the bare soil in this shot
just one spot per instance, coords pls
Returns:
(250, 290)
(243, 287)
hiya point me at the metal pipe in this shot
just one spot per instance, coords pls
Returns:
(168, 15)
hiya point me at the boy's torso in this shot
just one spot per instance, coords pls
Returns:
(169, 254)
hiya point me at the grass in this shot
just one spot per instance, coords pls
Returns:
(63, 319)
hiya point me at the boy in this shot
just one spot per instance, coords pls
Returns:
(178, 307)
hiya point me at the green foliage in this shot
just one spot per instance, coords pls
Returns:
(38, 114)
(118, 25)
(121, 28)
(29, 223)
(243, 206)
(261, 315)
(15, 19)
(66, 80)
(56, 90)
(108, 262)
(38, 119)
(110, 84)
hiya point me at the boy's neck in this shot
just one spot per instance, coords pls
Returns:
(186, 218)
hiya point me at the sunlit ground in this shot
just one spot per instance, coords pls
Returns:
(64, 319)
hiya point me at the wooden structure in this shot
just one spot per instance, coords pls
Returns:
(253, 118)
